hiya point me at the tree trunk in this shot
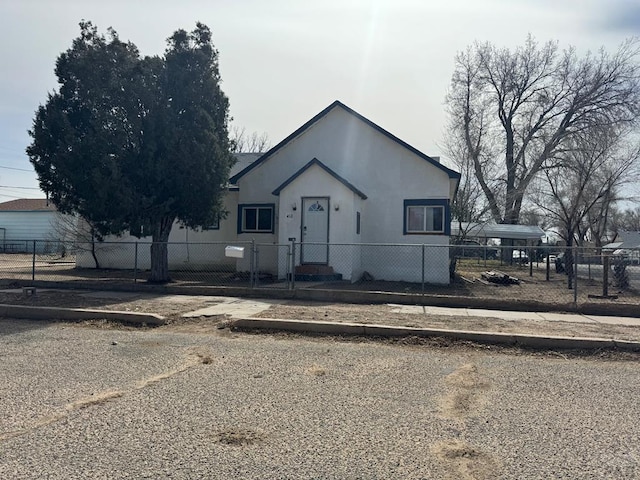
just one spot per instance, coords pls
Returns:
(568, 261)
(93, 254)
(93, 250)
(159, 252)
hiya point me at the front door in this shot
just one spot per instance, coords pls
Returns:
(315, 229)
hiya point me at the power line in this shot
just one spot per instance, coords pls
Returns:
(10, 196)
(14, 168)
(22, 188)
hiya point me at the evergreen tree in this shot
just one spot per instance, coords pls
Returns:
(135, 143)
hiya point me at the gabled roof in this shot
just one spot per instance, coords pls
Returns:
(28, 205)
(317, 162)
(626, 239)
(243, 160)
(234, 179)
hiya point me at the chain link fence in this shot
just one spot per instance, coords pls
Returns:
(544, 274)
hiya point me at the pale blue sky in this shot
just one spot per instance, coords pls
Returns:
(282, 61)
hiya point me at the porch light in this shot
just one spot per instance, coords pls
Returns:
(336, 207)
(294, 207)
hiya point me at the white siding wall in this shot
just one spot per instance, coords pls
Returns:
(20, 228)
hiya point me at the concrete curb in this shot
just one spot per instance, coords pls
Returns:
(348, 296)
(493, 338)
(77, 314)
(332, 328)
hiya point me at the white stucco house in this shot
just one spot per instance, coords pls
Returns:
(337, 181)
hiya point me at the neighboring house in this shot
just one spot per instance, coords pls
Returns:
(626, 245)
(624, 239)
(340, 179)
(24, 220)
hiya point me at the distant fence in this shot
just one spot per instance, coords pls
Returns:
(543, 273)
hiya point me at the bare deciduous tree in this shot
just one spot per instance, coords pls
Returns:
(469, 204)
(75, 232)
(585, 178)
(243, 142)
(628, 219)
(517, 110)
(598, 219)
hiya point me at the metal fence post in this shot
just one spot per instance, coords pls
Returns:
(135, 265)
(288, 267)
(575, 275)
(605, 275)
(422, 288)
(256, 266)
(251, 262)
(33, 262)
(293, 262)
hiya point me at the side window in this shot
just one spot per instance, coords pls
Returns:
(255, 218)
(426, 217)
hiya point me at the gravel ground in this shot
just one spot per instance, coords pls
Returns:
(82, 402)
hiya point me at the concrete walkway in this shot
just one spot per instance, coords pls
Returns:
(516, 316)
(234, 308)
(243, 311)
(242, 308)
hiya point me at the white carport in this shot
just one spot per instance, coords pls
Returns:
(522, 234)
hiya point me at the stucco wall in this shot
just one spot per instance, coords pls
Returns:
(384, 170)
(343, 202)
(189, 249)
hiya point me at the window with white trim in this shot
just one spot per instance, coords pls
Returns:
(425, 217)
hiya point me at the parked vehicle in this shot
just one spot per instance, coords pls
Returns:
(520, 256)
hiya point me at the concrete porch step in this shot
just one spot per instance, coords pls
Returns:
(316, 273)
(314, 270)
(308, 277)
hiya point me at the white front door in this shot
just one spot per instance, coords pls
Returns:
(315, 229)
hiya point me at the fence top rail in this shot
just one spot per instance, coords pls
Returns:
(247, 243)
(145, 243)
(376, 244)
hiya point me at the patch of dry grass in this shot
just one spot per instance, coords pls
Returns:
(465, 462)
(239, 437)
(316, 370)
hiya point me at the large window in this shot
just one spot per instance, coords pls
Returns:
(426, 217)
(255, 218)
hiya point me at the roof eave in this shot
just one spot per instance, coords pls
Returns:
(317, 162)
(450, 173)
